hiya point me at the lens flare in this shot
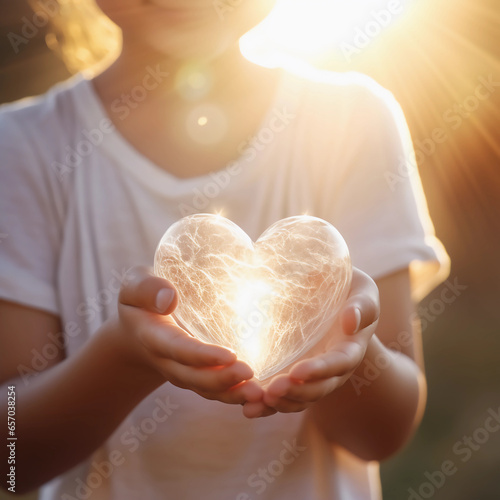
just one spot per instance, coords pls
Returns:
(207, 124)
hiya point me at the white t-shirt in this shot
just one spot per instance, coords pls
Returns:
(79, 206)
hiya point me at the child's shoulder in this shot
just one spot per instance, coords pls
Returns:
(48, 114)
(343, 96)
(350, 105)
(339, 85)
(33, 130)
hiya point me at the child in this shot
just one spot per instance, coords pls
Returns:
(125, 404)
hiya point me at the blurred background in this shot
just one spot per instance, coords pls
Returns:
(433, 55)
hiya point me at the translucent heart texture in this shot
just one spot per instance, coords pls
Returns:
(268, 301)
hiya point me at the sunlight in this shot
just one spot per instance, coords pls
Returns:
(306, 29)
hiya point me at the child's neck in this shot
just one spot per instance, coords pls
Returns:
(229, 73)
(165, 126)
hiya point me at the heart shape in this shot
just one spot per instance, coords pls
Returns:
(271, 301)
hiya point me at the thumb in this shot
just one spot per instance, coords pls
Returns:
(358, 314)
(362, 308)
(145, 290)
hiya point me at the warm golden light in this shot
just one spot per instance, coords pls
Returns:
(252, 306)
(271, 301)
(306, 29)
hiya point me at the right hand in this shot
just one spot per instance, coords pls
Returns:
(152, 339)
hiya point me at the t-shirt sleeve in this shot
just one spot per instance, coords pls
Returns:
(29, 228)
(379, 204)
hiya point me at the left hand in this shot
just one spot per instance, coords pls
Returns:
(330, 364)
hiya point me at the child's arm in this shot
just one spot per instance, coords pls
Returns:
(69, 410)
(363, 395)
(375, 413)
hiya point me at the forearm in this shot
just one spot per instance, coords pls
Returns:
(68, 411)
(375, 412)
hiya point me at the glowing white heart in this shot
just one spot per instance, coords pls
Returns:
(270, 301)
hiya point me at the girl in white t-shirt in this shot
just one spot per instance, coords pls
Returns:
(113, 399)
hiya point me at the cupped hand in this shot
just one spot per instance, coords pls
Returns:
(151, 338)
(330, 364)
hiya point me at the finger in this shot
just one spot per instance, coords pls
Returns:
(351, 319)
(279, 386)
(285, 405)
(308, 392)
(251, 391)
(207, 379)
(362, 307)
(144, 290)
(339, 361)
(257, 410)
(248, 391)
(167, 340)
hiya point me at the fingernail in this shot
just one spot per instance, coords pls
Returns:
(357, 315)
(164, 299)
